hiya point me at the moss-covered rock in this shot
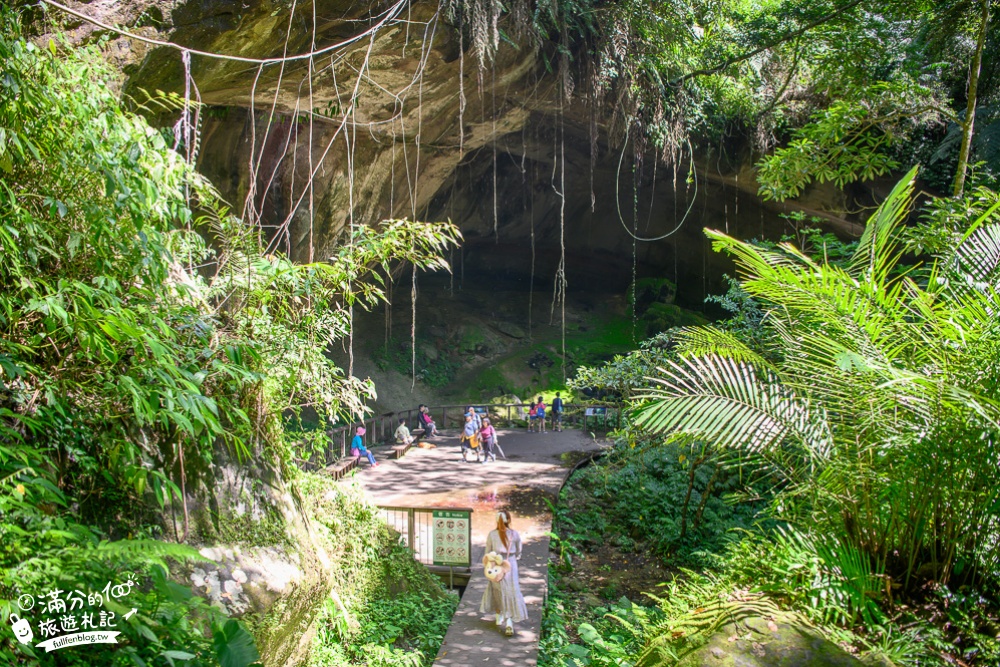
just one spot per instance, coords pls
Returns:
(755, 641)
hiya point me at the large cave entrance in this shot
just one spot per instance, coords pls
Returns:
(629, 226)
(506, 199)
(628, 229)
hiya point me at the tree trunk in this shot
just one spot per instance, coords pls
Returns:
(704, 497)
(687, 498)
(970, 107)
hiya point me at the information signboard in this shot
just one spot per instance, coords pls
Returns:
(452, 537)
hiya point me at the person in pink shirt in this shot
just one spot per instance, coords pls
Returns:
(488, 436)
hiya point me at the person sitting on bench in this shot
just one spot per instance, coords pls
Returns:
(358, 447)
(424, 417)
(403, 436)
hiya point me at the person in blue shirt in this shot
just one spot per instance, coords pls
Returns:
(358, 447)
(476, 419)
(557, 412)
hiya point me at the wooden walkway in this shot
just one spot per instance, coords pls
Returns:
(536, 467)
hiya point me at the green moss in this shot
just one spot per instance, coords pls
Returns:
(267, 530)
(472, 337)
(371, 570)
(492, 380)
(398, 355)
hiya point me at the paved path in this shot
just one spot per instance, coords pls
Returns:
(536, 466)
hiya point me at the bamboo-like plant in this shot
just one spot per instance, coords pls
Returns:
(880, 414)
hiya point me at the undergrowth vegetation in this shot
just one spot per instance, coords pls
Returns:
(386, 610)
(403, 631)
(146, 336)
(860, 392)
(738, 570)
(675, 501)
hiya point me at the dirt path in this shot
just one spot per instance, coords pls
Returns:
(536, 466)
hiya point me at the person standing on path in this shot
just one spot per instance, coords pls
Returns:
(358, 445)
(476, 419)
(469, 439)
(488, 436)
(557, 412)
(503, 598)
(540, 411)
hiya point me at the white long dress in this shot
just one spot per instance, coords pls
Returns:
(505, 597)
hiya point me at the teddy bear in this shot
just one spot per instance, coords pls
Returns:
(495, 567)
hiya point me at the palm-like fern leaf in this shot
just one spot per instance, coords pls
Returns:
(731, 403)
(978, 256)
(700, 341)
(877, 248)
(148, 551)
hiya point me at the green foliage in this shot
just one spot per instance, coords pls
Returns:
(610, 637)
(836, 578)
(845, 142)
(880, 404)
(234, 646)
(127, 369)
(386, 608)
(671, 499)
(404, 631)
(771, 575)
(626, 373)
(397, 354)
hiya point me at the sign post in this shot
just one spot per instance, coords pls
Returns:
(452, 537)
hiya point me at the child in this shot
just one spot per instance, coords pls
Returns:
(540, 412)
(532, 417)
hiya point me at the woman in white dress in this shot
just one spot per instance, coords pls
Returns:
(504, 598)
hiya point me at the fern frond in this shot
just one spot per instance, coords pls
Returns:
(148, 551)
(733, 404)
(705, 340)
(978, 257)
(878, 246)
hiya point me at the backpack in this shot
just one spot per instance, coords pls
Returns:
(541, 409)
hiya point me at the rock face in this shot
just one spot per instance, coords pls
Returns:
(425, 132)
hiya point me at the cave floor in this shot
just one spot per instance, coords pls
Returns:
(537, 465)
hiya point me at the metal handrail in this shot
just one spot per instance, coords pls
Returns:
(414, 525)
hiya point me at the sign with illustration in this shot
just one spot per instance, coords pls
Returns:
(452, 537)
(70, 618)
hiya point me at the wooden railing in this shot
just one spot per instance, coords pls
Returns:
(381, 428)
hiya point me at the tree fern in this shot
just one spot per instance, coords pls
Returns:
(878, 248)
(700, 341)
(731, 403)
(148, 551)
